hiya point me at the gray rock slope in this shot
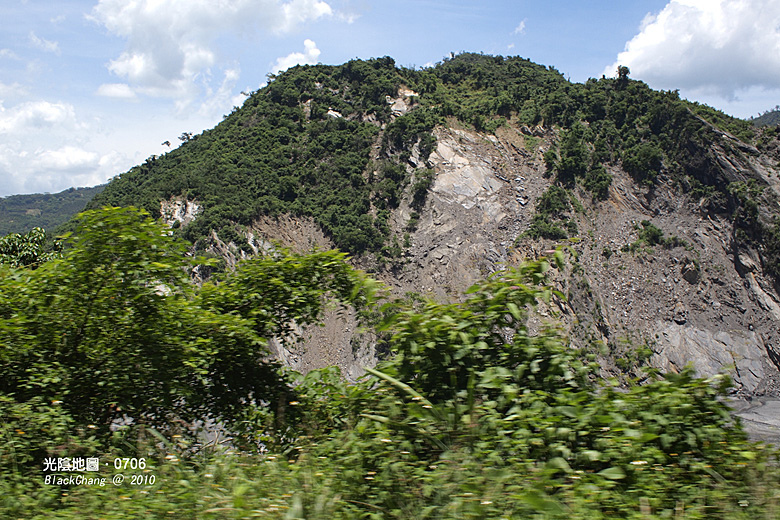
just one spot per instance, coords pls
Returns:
(702, 302)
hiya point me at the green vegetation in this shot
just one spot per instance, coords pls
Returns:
(423, 181)
(597, 181)
(552, 218)
(773, 250)
(768, 118)
(471, 417)
(115, 328)
(751, 229)
(303, 145)
(643, 162)
(29, 250)
(650, 235)
(740, 128)
(21, 213)
(573, 161)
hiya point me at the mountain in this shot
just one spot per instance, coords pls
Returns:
(438, 177)
(21, 213)
(768, 118)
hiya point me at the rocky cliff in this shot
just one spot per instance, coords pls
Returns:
(436, 178)
(695, 297)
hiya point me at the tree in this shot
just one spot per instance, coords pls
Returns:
(27, 250)
(101, 329)
(574, 155)
(114, 328)
(598, 181)
(622, 73)
(643, 161)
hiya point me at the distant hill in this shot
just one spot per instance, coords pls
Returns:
(768, 118)
(21, 213)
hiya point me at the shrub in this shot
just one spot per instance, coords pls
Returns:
(643, 162)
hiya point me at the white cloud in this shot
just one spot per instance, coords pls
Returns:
(171, 45)
(11, 91)
(8, 53)
(116, 90)
(348, 18)
(43, 44)
(52, 170)
(35, 116)
(67, 159)
(45, 146)
(297, 12)
(520, 29)
(308, 57)
(714, 47)
(217, 102)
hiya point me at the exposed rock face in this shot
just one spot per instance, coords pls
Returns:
(690, 271)
(699, 300)
(761, 418)
(177, 210)
(341, 342)
(402, 104)
(680, 313)
(712, 351)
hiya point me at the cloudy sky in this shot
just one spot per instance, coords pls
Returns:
(89, 88)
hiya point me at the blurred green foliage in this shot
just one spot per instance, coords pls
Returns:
(114, 328)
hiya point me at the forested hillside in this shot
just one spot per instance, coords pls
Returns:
(768, 118)
(323, 142)
(434, 178)
(21, 213)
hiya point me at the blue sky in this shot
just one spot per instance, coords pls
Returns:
(89, 88)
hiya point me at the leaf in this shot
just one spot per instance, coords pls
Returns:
(569, 411)
(559, 463)
(541, 502)
(403, 386)
(514, 310)
(714, 474)
(750, 455)
(613, 473)
(407, 389)
(647, 437)
(591, 455)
